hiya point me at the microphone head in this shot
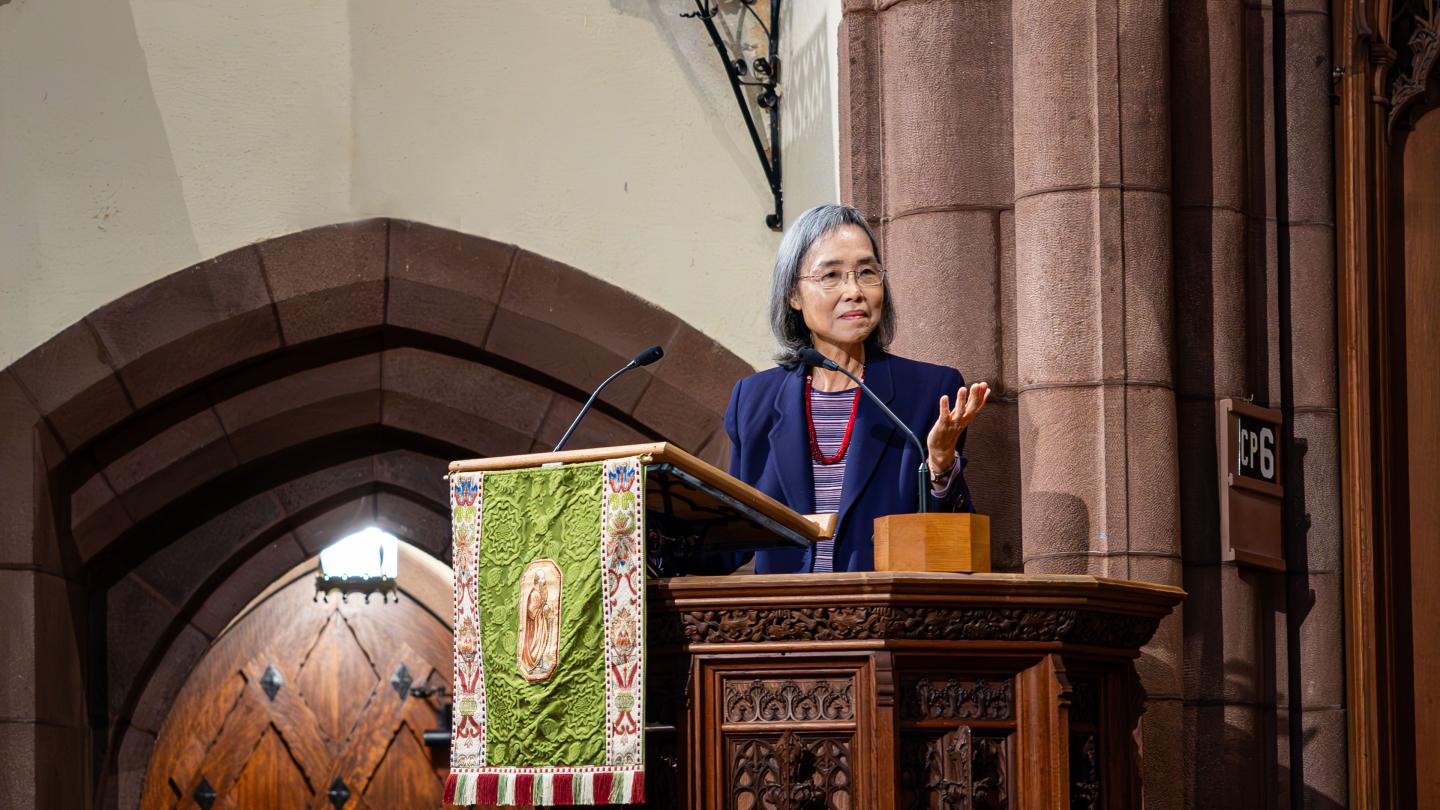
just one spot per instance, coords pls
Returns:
(810, 357)
(648, 356)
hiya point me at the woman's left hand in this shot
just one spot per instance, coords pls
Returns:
(951, 421)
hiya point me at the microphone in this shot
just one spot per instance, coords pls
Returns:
(810, 357)
(644, 358)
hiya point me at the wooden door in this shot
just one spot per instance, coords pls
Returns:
(302, 703)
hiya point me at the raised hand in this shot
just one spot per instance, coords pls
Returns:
(951, 421)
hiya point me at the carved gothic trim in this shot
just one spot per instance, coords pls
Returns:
(797, 790)
(950, 768)
(849, 623)
(1084, 772)
(959, 770)
(1424, 45)
(790, 772)
(956, 699)
(788, 701)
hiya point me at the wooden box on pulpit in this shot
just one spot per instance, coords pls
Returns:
(877, 689)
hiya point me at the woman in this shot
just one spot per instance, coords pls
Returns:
(806, 437)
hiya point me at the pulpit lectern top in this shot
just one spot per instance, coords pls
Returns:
(694, 506)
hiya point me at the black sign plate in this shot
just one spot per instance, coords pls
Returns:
(1257, 449)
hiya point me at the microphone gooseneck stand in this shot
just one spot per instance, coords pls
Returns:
(644, 358)
(811, 357)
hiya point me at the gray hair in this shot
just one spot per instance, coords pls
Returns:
(787, 323)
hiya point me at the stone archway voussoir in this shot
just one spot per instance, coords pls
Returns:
(327, 280)
(576, 328)
(197, 450)
(444, 282)
(75, 385)
(189, 325)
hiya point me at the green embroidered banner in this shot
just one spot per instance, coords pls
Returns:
(549, 612)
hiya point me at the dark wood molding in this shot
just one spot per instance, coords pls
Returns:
(1356, 250)
(1380, 89)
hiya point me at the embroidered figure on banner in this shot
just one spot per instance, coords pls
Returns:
(538, 645)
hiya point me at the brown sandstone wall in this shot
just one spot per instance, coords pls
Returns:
(926, 149)
(1155, 181)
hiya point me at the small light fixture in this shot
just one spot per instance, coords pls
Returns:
(365, 562)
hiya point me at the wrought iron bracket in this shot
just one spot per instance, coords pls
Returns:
(758, 75)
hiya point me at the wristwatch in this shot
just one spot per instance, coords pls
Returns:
(939, 479)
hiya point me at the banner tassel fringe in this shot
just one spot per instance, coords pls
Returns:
(548, 789)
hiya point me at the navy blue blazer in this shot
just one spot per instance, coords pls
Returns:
(770, 450)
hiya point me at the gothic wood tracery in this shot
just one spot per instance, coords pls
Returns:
(1415, 36)
(790, 772)
(957, 698)
(1084, 772)
(958, 770)
(955, 739)
(782, 701)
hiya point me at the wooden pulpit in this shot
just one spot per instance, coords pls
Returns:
(871, 689)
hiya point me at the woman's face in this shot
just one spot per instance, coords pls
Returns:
(848, 314)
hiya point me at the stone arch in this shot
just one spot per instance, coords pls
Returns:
(180, 447)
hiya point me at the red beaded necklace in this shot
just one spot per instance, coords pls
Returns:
(815, 453)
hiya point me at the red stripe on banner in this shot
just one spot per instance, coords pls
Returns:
(449, 796)
(487, 788)
(603, 782)
(564, 788)
(524, 787)
(637, 789)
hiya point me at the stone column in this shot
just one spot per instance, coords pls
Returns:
(1094, 296)
(1228, 703)
(926, 152)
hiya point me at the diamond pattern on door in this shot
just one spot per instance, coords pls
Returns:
(402, 778)
(334, 672)
(270, 778)
(323, 716)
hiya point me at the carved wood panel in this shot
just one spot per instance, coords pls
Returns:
(790, 772)
(785, 734)
(904, 691)
(956, 739)
(958, 698)
(1385, 52)
(957, 770)
(1086, 769)
(785, 700)
(307, 704)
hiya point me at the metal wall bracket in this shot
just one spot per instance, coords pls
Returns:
(754, 78)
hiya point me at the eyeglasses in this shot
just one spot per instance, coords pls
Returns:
(832, 280)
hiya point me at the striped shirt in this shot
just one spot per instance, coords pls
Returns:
(831, 412)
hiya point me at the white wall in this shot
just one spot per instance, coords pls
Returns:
(137, 139)
(810, 112)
